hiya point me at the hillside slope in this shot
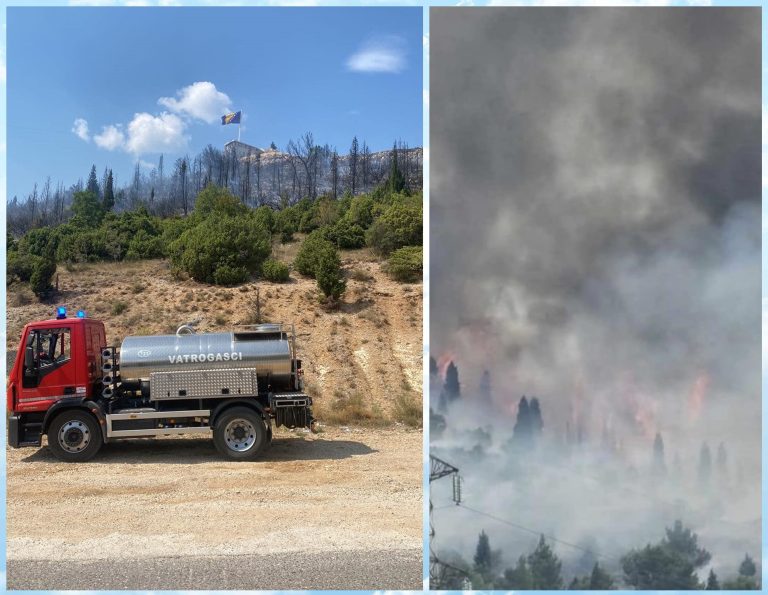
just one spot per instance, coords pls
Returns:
(368, 352)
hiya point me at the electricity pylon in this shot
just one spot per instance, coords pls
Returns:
(442, 573)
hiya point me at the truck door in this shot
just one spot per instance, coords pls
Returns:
(49, 371)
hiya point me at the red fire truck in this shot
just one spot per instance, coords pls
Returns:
(69, 384)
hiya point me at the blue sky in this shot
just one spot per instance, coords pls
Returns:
(112, 86)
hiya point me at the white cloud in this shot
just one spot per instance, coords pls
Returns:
(110, 138)
(147, 164)
(380, 54)
(200, 100)
(155, 134)
(80, 128)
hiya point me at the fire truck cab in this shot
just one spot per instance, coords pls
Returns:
(57, 367)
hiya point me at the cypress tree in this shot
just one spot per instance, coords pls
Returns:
(600, 580)
(485, 389)
(109, 193)
(396, 180)
(537, 423)
(433, 371)
(93, 183)
(705, 464)
(522, 429)
(451, 387)
(545, 567)
(747, 566)
(483, 554)
(712, 582)
(659, 466)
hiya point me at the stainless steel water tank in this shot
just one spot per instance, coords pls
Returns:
(266, 349)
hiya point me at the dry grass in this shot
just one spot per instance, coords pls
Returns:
(408, 410)
(349, 408)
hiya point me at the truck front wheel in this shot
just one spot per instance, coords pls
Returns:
(240, 434)
(74, 436)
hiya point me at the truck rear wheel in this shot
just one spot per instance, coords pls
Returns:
(74, 436)
(240, 434)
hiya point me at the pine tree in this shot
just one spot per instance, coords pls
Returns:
(93, 183)
(747, 567)
(522, 430)
(519, 578)
(537, 423)
(722, 460)
(485, 389)
(600, 580)
(353, 157)
(483, 554)
(109, 193)
(451, 387)
(712, 582)
(396, 181)
(433, 371)
(705, 464)
(545, 567)
(659, 466)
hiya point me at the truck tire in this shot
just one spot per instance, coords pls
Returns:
(240, 434)
(74, 436)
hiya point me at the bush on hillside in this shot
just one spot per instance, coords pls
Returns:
(328, 273)
(406, 264)
(214, 199)
(399, 225)
(346, 235)
(40, 280)
(143, 246)
(18, 267)
(307, 256)
(236, 245)
(275, 271)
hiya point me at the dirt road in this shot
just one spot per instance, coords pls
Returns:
(340, 509)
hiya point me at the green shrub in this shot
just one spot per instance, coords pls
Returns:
(213, 199)
(307, 256)
(19, 266)
(361, 211)
(87, 208)
(346, 234)
(265, 217)
(274, 270)
(399, 225)
(41, 241)
(143, 245)
(229, 275)
(83, 246)
(40, 279)
(237, 245)
(307, 222)
(328, 273)
(406, 264)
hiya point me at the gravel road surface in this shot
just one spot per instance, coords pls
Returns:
(337, 510)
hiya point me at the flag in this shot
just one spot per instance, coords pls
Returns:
(233, 118)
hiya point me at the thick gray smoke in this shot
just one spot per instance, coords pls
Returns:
(595, 242)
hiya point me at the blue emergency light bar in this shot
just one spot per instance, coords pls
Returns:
(61, 312)
(81, 313)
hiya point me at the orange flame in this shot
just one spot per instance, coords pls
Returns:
(698, 392)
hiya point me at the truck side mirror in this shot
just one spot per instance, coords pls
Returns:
(29, 358)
